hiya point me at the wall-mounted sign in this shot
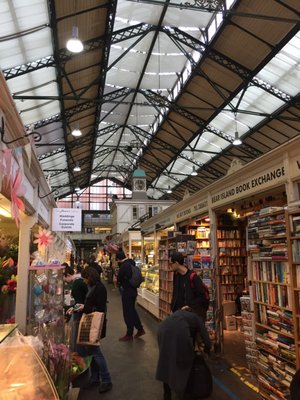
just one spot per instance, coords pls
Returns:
(66, 219)
(194, 209)
(254, 184)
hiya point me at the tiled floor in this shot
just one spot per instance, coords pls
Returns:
(132, 364)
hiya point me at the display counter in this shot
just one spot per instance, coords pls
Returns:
(148, 296)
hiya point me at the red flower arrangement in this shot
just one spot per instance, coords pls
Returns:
(11, 285)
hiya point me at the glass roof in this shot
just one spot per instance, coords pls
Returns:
(148, 64)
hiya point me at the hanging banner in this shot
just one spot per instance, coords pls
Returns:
(66, 219)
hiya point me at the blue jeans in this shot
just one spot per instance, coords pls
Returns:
(99, 370)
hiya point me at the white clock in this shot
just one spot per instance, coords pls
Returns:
(139, 185)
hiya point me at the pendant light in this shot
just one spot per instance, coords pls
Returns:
(77, 168)
(76, 132)
(74, 44)
(169, 190)
(237, 141)
(194, 172)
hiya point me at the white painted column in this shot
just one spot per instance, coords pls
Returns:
(26, 224)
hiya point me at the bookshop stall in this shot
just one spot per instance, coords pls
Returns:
(251, 241)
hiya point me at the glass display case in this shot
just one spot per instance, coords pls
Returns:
(152, 279)
(46, 298)
(46, 320)
(149, 290)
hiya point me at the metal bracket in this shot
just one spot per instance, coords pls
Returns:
(54, 192)
(37, 136)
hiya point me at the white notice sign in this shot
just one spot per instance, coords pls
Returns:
(66, 219)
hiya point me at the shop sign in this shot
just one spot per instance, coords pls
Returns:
(294, 167)
(253, 184)
(192, 210)
(66, 219)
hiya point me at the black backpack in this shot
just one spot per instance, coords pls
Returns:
(205, 299)
(136, 277)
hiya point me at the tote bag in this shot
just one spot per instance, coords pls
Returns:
(90, 328)
(200, 383)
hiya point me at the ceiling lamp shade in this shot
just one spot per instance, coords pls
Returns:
(74, 44)
(237, 141)
(76, 132)
(77, 189)
(77, 168)
(194, 172)
(169, 190)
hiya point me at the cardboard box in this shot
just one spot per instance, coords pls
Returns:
(230, 323)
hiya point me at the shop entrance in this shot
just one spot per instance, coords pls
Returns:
(235, 275)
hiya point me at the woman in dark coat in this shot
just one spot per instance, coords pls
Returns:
(96, 301)
(176, 341)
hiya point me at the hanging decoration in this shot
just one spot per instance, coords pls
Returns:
(17, 190)
(110, 245)
(7, 157)
(43, 238)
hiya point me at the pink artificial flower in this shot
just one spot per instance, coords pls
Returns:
(44, 237)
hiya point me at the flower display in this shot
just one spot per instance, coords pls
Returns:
(8, 276)
(78, 365)
(43, 238)
(10, 286)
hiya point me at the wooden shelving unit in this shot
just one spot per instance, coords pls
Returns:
(269, 245)
(232, 265)
(182, 243)
(203, 265)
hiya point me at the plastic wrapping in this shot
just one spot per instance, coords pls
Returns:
(23, 375)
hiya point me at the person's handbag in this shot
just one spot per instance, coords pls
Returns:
(200, 383)
(90, 328)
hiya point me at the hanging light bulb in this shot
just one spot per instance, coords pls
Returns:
(169, 190)
(194, 172)
(74, 44)
(237, 141)
(77, 168)
(76, 131)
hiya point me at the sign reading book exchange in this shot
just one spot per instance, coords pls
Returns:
(254, 184)
(66, 219)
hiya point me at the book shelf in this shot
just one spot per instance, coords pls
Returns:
(269, 248)
(293, 225)
(231, 260)
(184, 244)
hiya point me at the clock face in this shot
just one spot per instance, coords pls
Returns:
(139, 185)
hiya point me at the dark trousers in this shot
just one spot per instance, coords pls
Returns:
(131, 317)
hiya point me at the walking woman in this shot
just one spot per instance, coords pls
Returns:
(96, 301)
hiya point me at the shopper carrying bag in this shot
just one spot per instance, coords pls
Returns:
(93, 328)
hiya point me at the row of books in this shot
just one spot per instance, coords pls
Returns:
(279, 320)
(272, 271)
(273, 294)
(278, 346)
(232, 251)
(231, 279)
(228, 234)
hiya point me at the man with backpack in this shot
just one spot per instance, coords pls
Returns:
(128, 288)
(188, 288)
